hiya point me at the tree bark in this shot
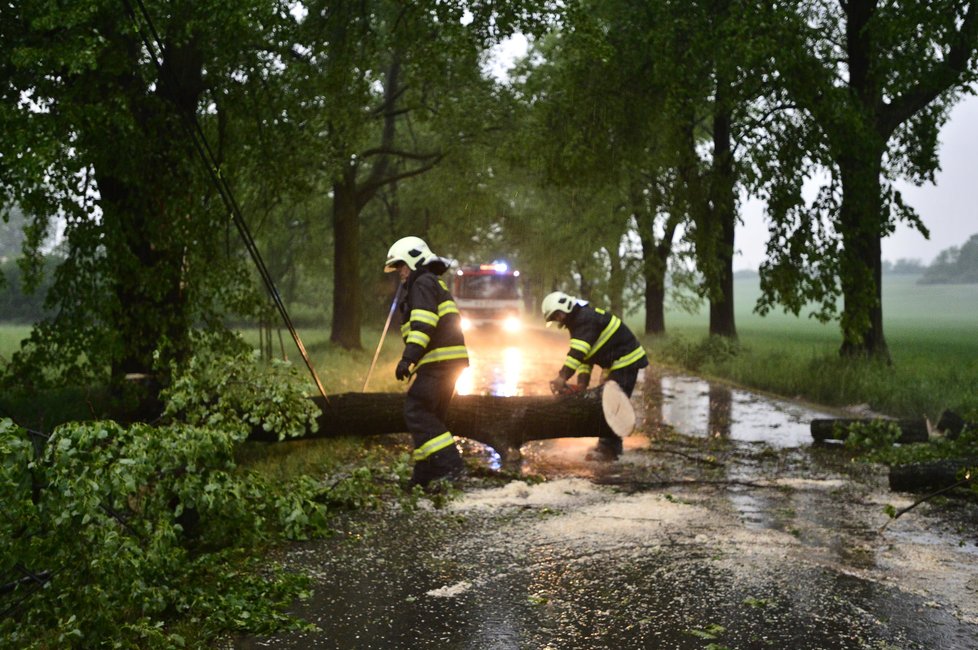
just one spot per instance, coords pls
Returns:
(861, 213)
(655, 256)
(503, 423)
(910, 430)
(934, 475)
(861, 265)
(143, 186)
(952, 425)
(347, 307)
(723, 213)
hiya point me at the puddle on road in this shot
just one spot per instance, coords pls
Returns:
(696, 407)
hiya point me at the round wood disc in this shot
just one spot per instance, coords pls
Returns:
(618, 411)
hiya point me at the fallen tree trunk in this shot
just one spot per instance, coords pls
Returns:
(838, 429)
(932, 475)
(503, 423)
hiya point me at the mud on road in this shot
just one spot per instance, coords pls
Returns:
(720, 526)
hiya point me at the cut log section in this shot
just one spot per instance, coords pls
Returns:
(933, 475)
(838, 429)
(952, 425)
(617, 409)
(503, 423)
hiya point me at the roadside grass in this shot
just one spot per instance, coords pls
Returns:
(339, 370)
(10, 337)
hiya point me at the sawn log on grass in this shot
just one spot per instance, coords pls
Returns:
(828, 429)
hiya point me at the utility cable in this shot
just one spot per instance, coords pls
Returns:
(196, 133)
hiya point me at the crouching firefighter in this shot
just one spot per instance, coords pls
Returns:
(597, 338)
(435, 348)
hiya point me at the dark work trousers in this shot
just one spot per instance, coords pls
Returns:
(425, 410)
(625, 377)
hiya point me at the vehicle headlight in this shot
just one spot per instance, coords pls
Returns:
(466, 324)
(512, 324)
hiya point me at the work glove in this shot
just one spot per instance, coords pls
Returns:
(558, 385)
(403, 370)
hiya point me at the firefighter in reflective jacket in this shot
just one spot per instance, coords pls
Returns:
(435, 348)
(597, 338)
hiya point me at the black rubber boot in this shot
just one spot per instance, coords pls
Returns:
(446, 465)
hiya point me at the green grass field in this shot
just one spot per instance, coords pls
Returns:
(932, 332)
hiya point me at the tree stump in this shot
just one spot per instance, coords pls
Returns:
(503, 423)
(910, 430)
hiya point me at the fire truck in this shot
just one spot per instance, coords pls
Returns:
(489, 294)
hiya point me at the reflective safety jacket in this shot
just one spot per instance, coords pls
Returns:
(431, 325)
(599, 338)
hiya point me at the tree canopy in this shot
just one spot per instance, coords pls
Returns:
(624, 140)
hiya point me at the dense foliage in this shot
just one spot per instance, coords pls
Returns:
(96, 137)
(136, 536)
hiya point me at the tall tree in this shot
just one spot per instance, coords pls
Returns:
(595, 128)
(715, 76)
(386, 67)
(95, 135)
(873, 81)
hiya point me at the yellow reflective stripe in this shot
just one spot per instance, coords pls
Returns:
(447, 307)
(405, 328)
(585, 369)
(628, 359)
(434, 445)
(605, 335)
(580, 345)
(443, 285)
(572, 363)
(418, 337)
(447, 353)
(424, 316)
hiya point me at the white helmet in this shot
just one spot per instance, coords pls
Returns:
(410, 250)
(557, 301)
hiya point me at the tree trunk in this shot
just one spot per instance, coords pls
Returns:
(861, 265)
(503, 423)
(346, 264)
(146, 190)
(724, 217)
(933, 475)
(861, 215)
(910, 430)
(655, 258)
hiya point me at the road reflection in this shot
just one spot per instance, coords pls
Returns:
(506, 364)
(493, 371)
(699, 408)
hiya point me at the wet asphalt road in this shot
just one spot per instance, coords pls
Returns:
(721, 526)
